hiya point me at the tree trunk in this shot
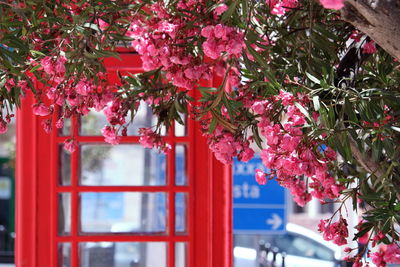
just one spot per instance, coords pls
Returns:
(379, 19)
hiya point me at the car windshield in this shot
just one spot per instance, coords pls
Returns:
(291, 243)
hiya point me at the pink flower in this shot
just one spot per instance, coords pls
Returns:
(258, 107)
(369, 48)
(272, 133)
(9, 84)
(83, 88)
(392, 254)
(210, 49)
(334, 231)
(332, 4)
(60, 123)
(207, 32)
(377, 259)
(290, 143)
(287, 98)
(59, 66)
(146, 139)
(220, 9)
(70, 145)
(110, 135)
(357, 263)
(282, 6)
(23, 85)
(261, 177)
(246, 154)
(347, 249)
(3, 126)
(102, 24)
(41, 109)
(47, 65)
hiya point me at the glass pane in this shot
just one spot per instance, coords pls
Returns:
(181, 130)
(180, 212)
(66, 130)
(64, 171)
(180, 254)
(64, 255)
(123, 254)
(180, 165)
(64, 213)
(121, 165)
(123, 212)
(92, 123)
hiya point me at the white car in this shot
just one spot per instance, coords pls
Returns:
(303, 248)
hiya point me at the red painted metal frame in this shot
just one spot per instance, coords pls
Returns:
(209, 229)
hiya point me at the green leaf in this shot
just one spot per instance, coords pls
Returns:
(313, 78)
(316, 103)
(38, 53)
(35, 68)
(212, 125)
(397, 207)
(227, 14)
(303, 110)
(397, 129)
(92, 26)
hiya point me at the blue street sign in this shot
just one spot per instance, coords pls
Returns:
(257, 208)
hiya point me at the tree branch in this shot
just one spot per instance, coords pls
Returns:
(368, 164)
(379, 19)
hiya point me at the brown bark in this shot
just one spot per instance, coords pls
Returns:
(379, 19)
(367, 163)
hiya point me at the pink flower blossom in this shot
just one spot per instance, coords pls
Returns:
(70, 145)
(60, 123)
(23, 85)
(334, 231)
(258, 107)
(147, 139)
(10, 83)
(261, 177)
(280, 7)
(83, 88)
(103, 25)
(392, 253)
(3, 126)
(150, 139)
(220, 39)
(246, 154)
(41, 109)
(59, 66)
(377, 259)
(332, 4)
(220, 9)
(47, 65)
(110, 135)
(369, 48)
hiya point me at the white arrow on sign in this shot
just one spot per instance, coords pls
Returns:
(275, 221)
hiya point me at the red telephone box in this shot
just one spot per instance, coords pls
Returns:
(120, 205)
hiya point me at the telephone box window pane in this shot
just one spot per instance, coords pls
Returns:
(64, 213)
(123, 254)
(180, 212)
(181, 130)
(64, 255)
(181, 254)
(130, 165)
(180, 165)
(95, 120)
(66, 130)
(123, 212)
(64, 172)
